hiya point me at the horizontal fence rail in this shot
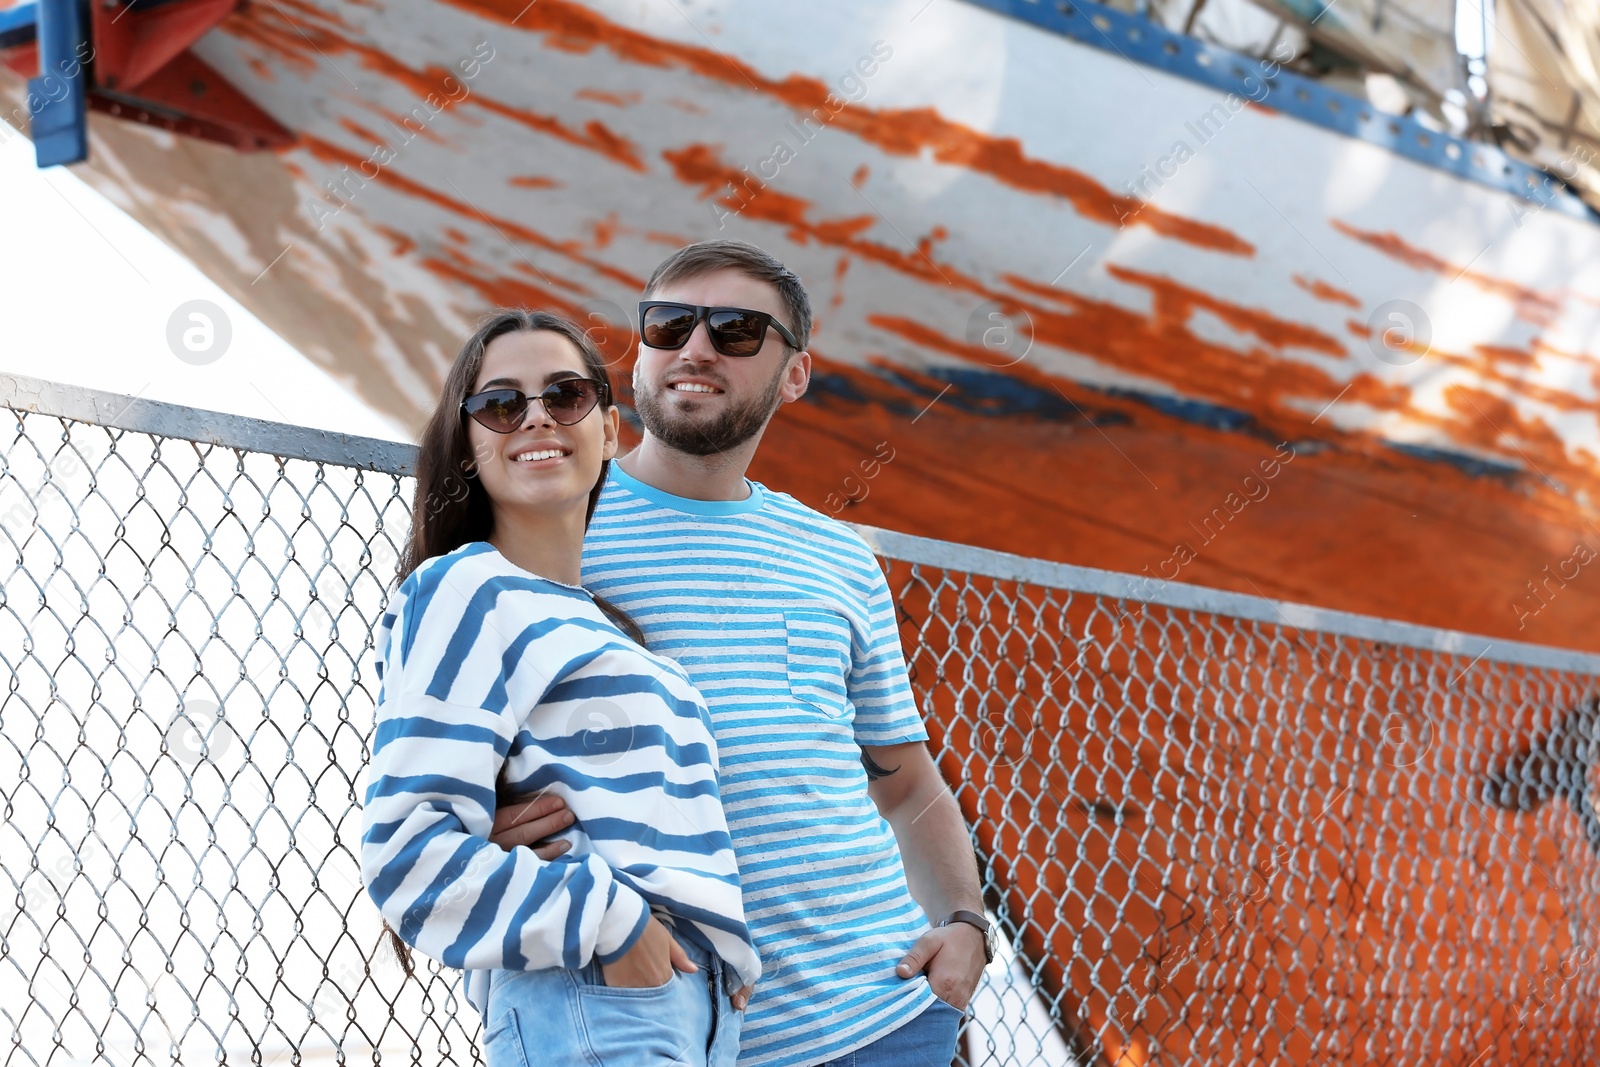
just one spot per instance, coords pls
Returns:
(1215, 829)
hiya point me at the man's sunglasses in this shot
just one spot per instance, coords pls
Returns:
(733, 331)
(567, 402)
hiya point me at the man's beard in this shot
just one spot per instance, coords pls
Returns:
(685, 433)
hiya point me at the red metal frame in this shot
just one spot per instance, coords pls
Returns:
(143, 71)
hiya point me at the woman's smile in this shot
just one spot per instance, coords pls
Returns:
(541, 457)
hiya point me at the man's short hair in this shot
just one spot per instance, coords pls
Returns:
(705, 257)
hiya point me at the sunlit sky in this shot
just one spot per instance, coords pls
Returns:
(88, 294)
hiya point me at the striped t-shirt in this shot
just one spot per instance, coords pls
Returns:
(783, 621)
(483, 664)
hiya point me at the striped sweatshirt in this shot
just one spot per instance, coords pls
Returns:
(783, 620)
(484, 666)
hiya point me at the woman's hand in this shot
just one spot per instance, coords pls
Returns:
(651, 960)
(529, 819)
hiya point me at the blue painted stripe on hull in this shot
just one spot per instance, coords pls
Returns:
(987, 393)
(1293, 94)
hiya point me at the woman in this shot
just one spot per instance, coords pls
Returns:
(500, 675)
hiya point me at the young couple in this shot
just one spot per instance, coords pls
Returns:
(681, 811)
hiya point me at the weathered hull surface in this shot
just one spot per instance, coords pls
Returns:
(1165, 349)
(1175, 343)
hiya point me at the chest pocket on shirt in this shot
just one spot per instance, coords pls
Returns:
(819, 659)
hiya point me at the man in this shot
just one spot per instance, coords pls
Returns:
(781, 616)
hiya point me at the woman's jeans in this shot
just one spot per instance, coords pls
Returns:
(561, 1017)
(929, 1040)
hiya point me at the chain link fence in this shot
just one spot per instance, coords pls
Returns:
(1215, 829)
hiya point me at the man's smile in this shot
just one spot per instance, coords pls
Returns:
(692, 386)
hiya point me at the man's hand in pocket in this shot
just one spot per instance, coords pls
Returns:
(952, 956)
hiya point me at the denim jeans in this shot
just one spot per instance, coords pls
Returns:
(561, 1017)
(929, 1040)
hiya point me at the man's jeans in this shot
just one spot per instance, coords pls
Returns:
(573, 1018)
(929, 1040)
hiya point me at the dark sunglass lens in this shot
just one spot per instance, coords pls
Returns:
(666, 327)
(568, 402)
(567, 396)
(500, 410)
(737, 333)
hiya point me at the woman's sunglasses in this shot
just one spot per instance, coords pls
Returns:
(733, 331)
(567, 402)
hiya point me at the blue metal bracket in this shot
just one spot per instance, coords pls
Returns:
(58, 98)
(1143, 41)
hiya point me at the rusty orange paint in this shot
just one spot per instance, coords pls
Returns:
(601, 96)
(604, 230)
(1374, 392)
(1175, 303)
(1323, 291)
(898, 131)
(1165, 349)
(702, 165)
(314, 13)
(403, 127)
(595, 136)
(273, 38)
(353, 127)
(290, 40)
(321, 29)
(1511, 367)
(1161, 346)
(1495, 354)
(1490, 420)
(1276, 392)
(1533, 306)
(533, 181)
(670, 240)
(501, 291)
(1126, 339)
(400, 243)
(1110, 516)
(331, 153)
(840, 268)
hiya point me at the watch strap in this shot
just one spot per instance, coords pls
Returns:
(972, 918)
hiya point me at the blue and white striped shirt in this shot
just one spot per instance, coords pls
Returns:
(783, 621)
(480, 664)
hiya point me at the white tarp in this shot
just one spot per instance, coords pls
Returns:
(1414, 40)
(1544, 86)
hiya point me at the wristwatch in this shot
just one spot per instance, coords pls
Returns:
(972, 918)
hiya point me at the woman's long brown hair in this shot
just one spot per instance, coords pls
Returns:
(451, 508)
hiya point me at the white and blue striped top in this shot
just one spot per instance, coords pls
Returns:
(783, 621)
(481, 663)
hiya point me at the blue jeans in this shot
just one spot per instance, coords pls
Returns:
(929, 1040)
(561, 1017)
